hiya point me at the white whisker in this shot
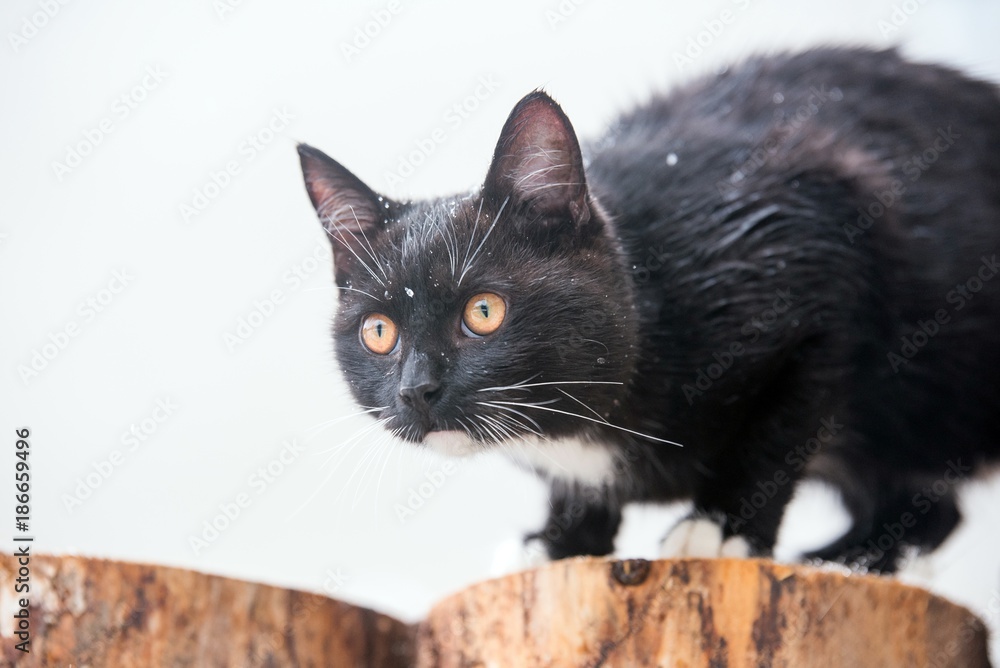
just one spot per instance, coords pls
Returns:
(516, 424)
(512, 410)
(366, 461)
(447, 237)
(465, 427)
(392, 442)
(527, 403)
(472, 235)
(340, 236)
(361, 291)
(554, 382)
(380, 448)
(328, 423)
(371, 251)
(471, 260)
(602, 418)
(590, 419)
(365, 431)
(352, 442)
(490, 426)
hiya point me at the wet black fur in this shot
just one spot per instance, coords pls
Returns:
(725, 213)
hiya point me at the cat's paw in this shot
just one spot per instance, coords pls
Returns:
(917, 567)
(702, 537)
(735, 547)
(516, 554)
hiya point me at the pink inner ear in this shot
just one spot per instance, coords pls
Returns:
(543, 168)
(339, 210)
(349, 210)
(537, 159)
(341, 199)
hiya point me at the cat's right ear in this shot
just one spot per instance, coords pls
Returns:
(351, 212)
(538, 164)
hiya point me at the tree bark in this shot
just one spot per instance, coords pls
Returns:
(579, 612)
(700, 612)
(92, 612)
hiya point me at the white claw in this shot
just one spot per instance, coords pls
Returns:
(693, 538)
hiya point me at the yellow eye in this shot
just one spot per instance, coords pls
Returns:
(379, 334)
(484, 313)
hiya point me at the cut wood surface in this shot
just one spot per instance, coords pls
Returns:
(579, 612)
(718, 613)
(92, 612)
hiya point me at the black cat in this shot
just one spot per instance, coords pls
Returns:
(787, 269)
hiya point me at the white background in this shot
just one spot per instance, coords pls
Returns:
(162, 337)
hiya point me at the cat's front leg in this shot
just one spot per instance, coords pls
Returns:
(581, 521)
(736, 514)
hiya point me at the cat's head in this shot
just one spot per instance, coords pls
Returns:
(472, 320)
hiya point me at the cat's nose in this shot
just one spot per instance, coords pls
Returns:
(419, 386)
(421, 396)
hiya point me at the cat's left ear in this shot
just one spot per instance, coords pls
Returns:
(537, 162)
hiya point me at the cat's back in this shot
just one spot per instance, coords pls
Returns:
(903, 157)
(866, 185)
(864, 116)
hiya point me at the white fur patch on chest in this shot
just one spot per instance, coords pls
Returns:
(566, 458)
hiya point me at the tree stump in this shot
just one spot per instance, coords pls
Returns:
(92, 612)
(579, 612)
(718, 613)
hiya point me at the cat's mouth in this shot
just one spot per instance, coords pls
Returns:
(451, 443)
